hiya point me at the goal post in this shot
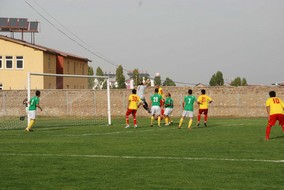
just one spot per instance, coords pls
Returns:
(81, 99)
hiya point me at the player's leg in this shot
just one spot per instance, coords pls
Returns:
(153, 112)
(32, 115)
(199, 116)
(166, 113)
(184, 113)
(205, 117)
(190, 119)
(128, 112)
(271, 122)
(159, 116)
(134, 118)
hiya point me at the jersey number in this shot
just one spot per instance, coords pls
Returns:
(276, 101)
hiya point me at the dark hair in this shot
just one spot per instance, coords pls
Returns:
(169, 94)
(156, 90)
(203, 91)
(272, 94)
(134, 91)
(37, 93)
(141, 83)
(189, 91)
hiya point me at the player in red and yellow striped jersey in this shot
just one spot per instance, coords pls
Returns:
(134, 102)
(274, 108)
(203, 102)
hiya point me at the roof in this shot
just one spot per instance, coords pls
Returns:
(42, 48)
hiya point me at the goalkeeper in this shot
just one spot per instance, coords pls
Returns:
(141, 93)
(33, 104)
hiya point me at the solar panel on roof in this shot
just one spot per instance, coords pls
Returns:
(13, 22)
(23, 23)
(33, 26)
(3, 22)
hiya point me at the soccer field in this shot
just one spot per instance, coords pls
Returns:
(228, 154)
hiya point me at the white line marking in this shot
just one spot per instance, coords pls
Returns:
(144, 157)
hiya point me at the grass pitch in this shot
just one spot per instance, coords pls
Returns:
(228, 154)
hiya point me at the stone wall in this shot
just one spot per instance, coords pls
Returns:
(246, 101)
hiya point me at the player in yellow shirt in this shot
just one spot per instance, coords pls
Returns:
(134, 102)
(162, 103)
(203, 102)
(274, 108)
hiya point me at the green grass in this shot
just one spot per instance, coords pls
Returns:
(228, 154)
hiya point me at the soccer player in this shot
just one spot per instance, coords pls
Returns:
(134, 102)
(155, 107)
(33, 105)
(187, 104)
(169, 105)
(141, 93)
(203, 102)
(162, 103)
(274, 108)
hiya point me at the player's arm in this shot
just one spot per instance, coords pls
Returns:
(268, 110)
(38, 106)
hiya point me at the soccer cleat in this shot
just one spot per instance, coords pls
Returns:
(135, 126)
(197, 125)
(189, 128)
(28, 130)
(205, 125)
(179, 127)
(167, 124)
(127, 126)
(159, 126)
(151, 125)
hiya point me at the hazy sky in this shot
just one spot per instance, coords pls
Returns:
(185, 40)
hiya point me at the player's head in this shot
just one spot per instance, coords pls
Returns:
(272, 94)
(169, 94)
(38, 93)
(141, 83)
(134, 91)
(189, 91)
(203, 91)
(156, 90)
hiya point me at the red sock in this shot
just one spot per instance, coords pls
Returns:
(205, 118)
(268, 129)
(198, 117)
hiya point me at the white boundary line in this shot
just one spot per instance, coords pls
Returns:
(144, 157)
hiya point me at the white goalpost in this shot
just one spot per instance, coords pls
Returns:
(72, 99)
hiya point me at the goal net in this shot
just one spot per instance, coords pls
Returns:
(66, 100)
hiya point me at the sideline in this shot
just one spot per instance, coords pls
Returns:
(142, 157)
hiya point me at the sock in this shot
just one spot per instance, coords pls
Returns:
(189, 123)
(159, 120)
(268, 128)
(205, 118)
(167, 120)
(152, 118)
(31, 124)
(134, 121)
(198, 118)
(180, 122)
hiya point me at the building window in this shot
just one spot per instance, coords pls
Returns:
(9, 62)
(1, 65)
(83, 69)
(1, 86)
(48, 64)
(19, 62)
(74, 67)
(68, 67)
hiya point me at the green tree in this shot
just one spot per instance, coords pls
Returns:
(236, 82)
(244, 82)
(136, 77)
(90, 80)
(157, 80)
(217, 79)
(120, 78)
(169, 82)
(102, 83)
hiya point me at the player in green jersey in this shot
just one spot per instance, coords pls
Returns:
(33, 104)
(169, 105)
(187, 104)
(155, 107)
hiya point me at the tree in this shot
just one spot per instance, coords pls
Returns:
(157, 80)
(217, 79)
(101, 82)
(90, 80)
(239, 82)
(136, 77)
(120, 78)
(236, 82)
(244, 82)
(169, 82)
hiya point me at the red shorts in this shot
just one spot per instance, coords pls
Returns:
(276, 117)
(131, 111)
(204, 111)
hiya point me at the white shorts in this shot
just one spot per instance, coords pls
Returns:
(32, 114)
(187, 113)
(155, 110)
(168, 111)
